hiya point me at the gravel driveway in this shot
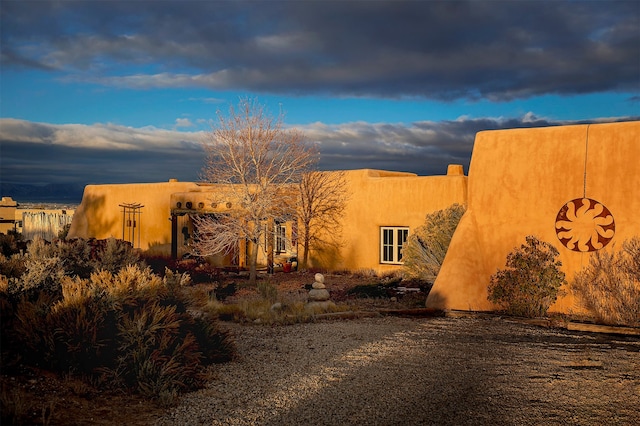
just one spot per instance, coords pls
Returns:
(402, 371)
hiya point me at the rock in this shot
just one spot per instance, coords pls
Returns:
(276, 307)
(318, 295)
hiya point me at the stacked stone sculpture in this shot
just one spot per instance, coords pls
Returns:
(319, 295)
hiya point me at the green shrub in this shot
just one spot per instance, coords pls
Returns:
(531, 282)
(609, 287)
(426, 247)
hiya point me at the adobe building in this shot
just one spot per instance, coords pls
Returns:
(382, 208)
(572, 186)
(136, 212)
(8, 215)
(575, 187)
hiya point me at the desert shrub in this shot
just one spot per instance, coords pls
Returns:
(29, 333)
(80, 257)
(10, 243)
(609, 287)
(424, 251)
(115, 254)
(13, 266)
(64, 231)
(75, 255)
(132, 329)
(531, 282)
(43, 275)
(157, 357)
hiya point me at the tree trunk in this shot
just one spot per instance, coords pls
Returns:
(253, 260)
(305, 258)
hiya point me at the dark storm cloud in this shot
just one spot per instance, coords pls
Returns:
(46, 153)
(499, 50)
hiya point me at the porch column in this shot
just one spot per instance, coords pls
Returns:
(174, 236)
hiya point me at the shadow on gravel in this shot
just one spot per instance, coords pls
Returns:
(426, 371)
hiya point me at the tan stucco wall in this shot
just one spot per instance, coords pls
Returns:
(99, 215)
(518, 181)
(380, 198)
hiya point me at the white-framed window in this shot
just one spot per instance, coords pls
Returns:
(280, 237)
(392, 238)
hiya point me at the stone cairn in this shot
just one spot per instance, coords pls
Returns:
(319, 295)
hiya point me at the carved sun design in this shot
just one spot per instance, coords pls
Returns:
(584, 225)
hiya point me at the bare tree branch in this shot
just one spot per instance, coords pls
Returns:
(322, 200)
(256, 162)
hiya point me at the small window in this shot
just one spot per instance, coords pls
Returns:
(280, 233)
(392, 239)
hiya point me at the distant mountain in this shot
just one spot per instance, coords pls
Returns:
(54, 192)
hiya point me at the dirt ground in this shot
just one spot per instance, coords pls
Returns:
(480, 370)
(576, 376)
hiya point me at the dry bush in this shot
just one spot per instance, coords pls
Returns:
(10, 243)
(114, 255)
(426, 247)
(80, 257)
(131, 329)
(13, 266)
(531, 282)
(609, 287)
(14, 405)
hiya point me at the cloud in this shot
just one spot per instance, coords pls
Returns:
(390, 49)
(40, 153)
(104, 153)
(183, 122)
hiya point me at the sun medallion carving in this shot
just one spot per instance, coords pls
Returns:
(585, 225)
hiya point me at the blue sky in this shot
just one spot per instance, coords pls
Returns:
(115, 91)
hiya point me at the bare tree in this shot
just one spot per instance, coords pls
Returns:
(323, 198)
(257, 162)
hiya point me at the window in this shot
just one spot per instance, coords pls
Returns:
(280, 243)
(392, 238)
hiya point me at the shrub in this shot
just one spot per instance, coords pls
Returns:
(531, 282)
(43, 275)
(13, 266)
(10, 243)
(79, 257)
(424, 251)
(115, 254)
(609, 287)
(131, 329)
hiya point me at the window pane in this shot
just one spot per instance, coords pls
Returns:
(280, 237)
(387, 245)
(402, 238)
